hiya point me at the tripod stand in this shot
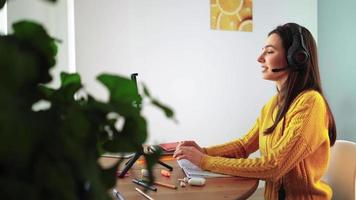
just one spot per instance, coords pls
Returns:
(132, 161)
(139, 153)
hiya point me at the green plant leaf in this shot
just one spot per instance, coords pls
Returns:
(167, 111)
(108, 176)
(18, 66)
(2, 3)
(35, 51)
(67, 79)
(151, 159)
(12, 186)
(70, 84)
(146, 91)
(135, 129)
(58, 176)
(130, 139)
(117, 145)
(122, 90)
(123, 94)
(35, 36)
(46, 91)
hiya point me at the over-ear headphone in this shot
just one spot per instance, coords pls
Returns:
(297, 55)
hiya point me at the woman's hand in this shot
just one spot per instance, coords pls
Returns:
(190, 143)
(189, 150)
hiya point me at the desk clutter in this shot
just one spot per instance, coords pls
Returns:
(177, 186)
(141, 178)
(194, 181)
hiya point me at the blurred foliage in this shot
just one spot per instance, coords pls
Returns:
(52, 152)
(2, 3)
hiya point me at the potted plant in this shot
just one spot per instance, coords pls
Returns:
(52, 152)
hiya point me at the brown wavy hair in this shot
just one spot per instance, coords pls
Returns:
(300, 80)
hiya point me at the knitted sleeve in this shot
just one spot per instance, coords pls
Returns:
(306, 129)
(239, 148)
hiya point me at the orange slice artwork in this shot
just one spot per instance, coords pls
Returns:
(232, 15)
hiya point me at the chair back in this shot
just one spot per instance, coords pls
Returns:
(341, 172)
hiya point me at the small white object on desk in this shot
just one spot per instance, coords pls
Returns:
(185, 179)
(196, 181)
(182, 184)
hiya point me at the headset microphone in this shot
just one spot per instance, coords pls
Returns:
(275, 70)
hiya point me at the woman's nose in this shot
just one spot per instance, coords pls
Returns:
(260, 58)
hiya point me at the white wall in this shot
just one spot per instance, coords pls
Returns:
(3, 20)
(54, 19)
(210, 78)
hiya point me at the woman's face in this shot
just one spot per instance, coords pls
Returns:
(273, 56)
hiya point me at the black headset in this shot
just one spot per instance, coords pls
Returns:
(297, 55)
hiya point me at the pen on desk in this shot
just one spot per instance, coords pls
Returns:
(117, 194)
(142, 183)
(165, 185)
(144, 194)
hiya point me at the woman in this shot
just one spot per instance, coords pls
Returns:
(294, 131)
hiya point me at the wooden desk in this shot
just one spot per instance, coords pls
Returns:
(214, 188)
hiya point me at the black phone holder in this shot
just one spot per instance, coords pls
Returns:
(139, 153)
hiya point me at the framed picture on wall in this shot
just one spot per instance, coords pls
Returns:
(231, 15)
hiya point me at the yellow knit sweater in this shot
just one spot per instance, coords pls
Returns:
(298, 157)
